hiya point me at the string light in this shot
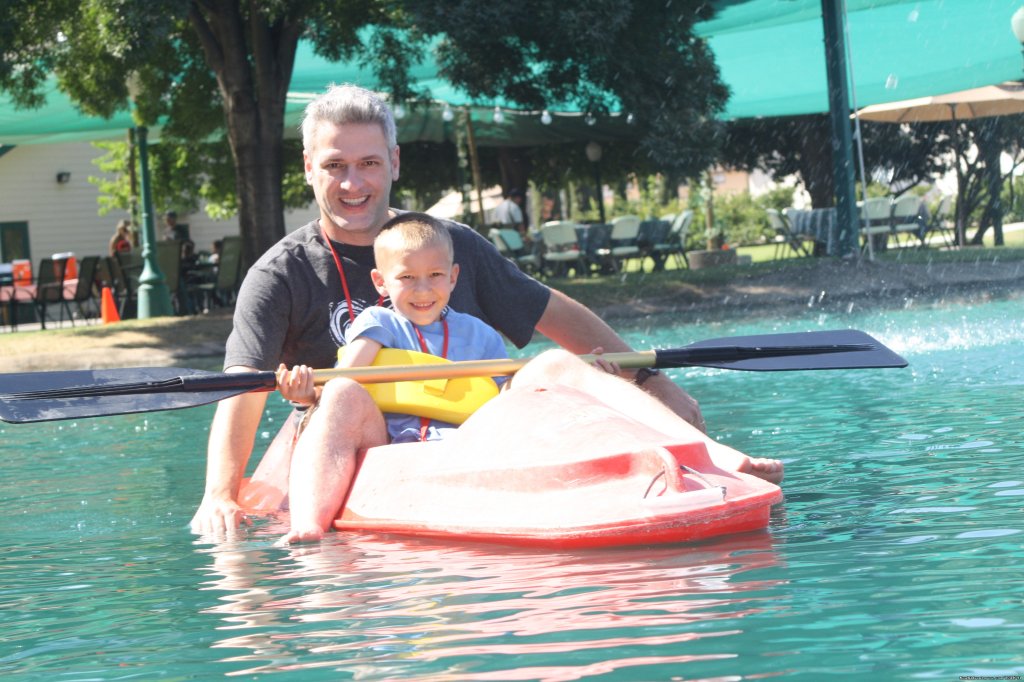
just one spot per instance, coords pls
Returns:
(545, 117)
(590, 119)
(447, 114)
(399, 111)
(630, 119)
(498, 117)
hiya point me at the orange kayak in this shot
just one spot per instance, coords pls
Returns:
(552, 468)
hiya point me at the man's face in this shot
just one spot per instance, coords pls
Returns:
(350, 169)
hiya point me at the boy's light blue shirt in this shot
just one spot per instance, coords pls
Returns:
(469, 338)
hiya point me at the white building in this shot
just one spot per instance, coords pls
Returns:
(43, 211)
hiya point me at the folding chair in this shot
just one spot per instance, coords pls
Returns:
(510, 244)
(784, 235)
(562, 247)
(623, 242)
(674, 243)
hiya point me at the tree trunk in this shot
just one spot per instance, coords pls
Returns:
(815, 152)
(990, 153)
(252, 62)
(515, 167)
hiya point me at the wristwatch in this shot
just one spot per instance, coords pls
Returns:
(645, 373)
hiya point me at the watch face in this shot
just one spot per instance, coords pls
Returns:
(643, 374)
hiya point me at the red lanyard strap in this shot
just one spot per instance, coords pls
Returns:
(344, 281)
(424, 421)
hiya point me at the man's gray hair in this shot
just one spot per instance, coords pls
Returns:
(343, 104)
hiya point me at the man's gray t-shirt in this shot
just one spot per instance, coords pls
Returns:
(292, 306)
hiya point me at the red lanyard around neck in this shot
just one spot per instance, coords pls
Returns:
(424, 421)
(344, 282)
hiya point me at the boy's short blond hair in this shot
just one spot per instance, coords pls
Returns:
(411, 232)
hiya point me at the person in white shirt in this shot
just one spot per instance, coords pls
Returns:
(510, 211)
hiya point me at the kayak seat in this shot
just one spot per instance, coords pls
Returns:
(449, 400)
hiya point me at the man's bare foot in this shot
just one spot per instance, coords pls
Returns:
(770, 470)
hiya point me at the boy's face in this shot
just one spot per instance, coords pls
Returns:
(419, 281)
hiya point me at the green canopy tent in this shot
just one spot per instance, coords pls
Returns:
(770, 54)
(770, 51)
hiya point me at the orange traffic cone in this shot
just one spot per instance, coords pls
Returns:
(108, 309)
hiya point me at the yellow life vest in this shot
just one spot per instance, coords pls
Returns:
(449, 400)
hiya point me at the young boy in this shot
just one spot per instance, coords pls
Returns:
(414, 257)
(415, 269)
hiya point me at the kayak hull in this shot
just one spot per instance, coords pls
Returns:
(550, 468)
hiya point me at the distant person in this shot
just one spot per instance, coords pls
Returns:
(549, 209)
(171, 225)
(218, 248)
(121, 242)
(172, 230)
(510, 211)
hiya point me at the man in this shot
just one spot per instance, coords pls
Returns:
(510, 211)
(299, 297)
(171, 225)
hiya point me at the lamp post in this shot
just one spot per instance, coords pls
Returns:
(154, 299)
(594, 152)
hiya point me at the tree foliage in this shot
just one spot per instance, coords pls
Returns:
(904, 156)
(218, 72)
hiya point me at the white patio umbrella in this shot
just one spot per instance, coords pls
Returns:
(991, 100)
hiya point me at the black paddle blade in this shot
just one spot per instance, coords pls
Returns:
(835, 349)
(49, 396)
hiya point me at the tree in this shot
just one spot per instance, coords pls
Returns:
(982, 174)
(800, 145)
(223, 67)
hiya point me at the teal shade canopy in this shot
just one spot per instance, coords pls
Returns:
(770, 54)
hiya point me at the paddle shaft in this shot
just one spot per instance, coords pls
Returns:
(45, 396)
(465, 368)
(714, 356)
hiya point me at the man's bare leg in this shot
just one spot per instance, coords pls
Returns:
(559, 367)
(345, 422)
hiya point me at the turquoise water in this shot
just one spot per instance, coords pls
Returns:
(897, 554)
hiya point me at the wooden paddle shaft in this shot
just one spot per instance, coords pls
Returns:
(468, 368)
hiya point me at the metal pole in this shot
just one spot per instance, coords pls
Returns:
(839, 111)
(475, 166)
(154, 297)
